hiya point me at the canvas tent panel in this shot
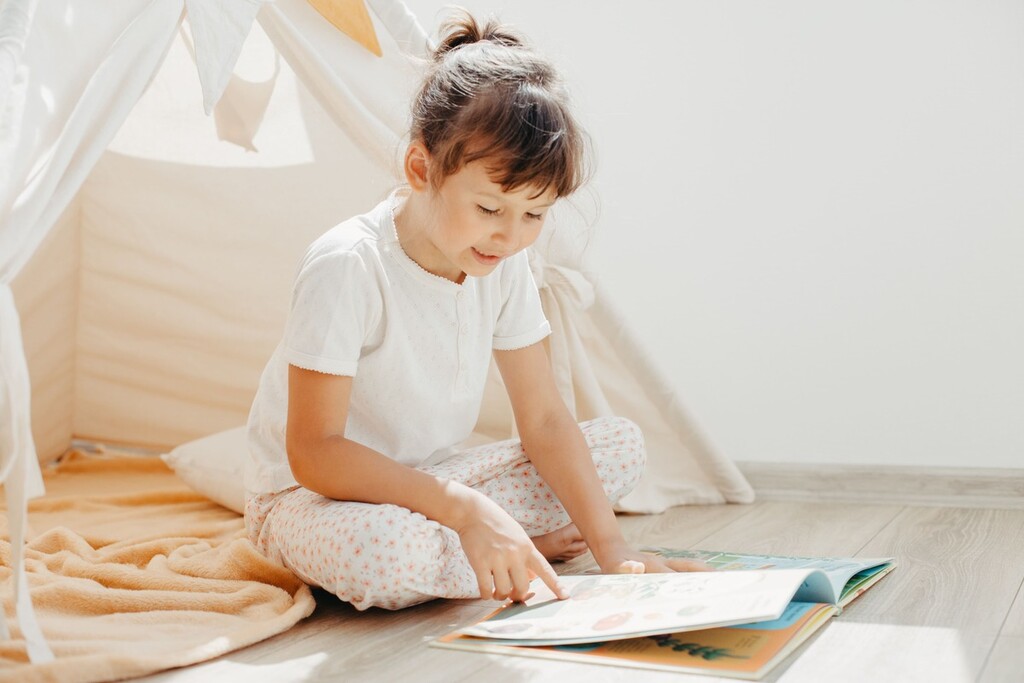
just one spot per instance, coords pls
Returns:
(67, 107)
(190, 245)
(682, 468)
(46, 293)
(365, 96)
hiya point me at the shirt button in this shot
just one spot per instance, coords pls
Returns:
(464, 329)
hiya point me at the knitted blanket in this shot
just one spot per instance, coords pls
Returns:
(131, 572)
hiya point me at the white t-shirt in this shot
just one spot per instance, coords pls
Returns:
(417, 345)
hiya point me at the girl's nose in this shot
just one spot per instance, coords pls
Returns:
(505, 234)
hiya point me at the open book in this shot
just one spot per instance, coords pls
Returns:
(740, 620)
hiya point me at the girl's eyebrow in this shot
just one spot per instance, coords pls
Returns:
(502, 199)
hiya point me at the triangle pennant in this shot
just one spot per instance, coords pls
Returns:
(351, 18)
(219, 28)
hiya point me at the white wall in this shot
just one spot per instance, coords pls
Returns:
(813, 212)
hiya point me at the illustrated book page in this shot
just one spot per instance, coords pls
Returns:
(848, 577)
(614, 606)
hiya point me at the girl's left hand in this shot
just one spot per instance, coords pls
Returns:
(629, 561)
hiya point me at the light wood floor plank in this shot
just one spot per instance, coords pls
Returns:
(1014, 625)
(1006, 662)
(794, 528)
(937, 616)
(684, 526)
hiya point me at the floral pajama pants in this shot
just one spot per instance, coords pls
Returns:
(387, 556)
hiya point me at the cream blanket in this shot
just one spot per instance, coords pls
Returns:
(132, 572)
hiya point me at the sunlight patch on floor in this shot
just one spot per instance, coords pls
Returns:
(296, 670)
(861, 651)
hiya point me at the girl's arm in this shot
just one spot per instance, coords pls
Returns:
(556, 446)
(324, 461)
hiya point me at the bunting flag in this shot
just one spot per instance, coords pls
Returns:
(351, 18)
(219, 28)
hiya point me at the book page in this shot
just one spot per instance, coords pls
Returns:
(615, 606)
(839, 570)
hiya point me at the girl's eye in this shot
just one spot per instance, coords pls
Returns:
(535, 216)
(485, 210)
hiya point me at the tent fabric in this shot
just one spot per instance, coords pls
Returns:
(189, 245)
(373, 115)
(601, 369)
(178, 240)
(46, 296)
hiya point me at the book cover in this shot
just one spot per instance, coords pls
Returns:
(745, 651)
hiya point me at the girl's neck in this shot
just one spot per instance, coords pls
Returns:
(412, 224)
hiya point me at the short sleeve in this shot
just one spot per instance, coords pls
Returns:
(335, 305)
(521, 321)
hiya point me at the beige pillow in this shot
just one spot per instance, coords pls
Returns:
(214, 466)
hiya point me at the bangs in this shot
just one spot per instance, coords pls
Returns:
(526, 138)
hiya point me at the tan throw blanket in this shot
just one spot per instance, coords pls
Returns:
(131, 572)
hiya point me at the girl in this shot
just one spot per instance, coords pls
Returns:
(354, 480)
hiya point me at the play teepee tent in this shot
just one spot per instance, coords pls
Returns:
(147, 248)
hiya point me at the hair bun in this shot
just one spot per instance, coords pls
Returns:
(462, 29)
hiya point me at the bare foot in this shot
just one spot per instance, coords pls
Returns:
(561, 545)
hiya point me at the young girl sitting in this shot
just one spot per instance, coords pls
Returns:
(354, 480)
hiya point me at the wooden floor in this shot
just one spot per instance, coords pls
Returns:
(952, 611)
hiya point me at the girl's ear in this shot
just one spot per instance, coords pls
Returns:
(417, 166)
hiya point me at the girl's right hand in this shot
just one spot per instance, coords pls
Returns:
(503, 556)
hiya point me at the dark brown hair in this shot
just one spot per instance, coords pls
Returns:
(488, 96)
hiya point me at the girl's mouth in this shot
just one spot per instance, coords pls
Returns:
(485, 259)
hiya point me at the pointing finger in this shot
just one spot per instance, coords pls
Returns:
(548, 575)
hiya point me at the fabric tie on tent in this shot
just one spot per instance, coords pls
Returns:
(19, 465)
(19, 470)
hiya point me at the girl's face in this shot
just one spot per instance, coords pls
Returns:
(473, 224)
